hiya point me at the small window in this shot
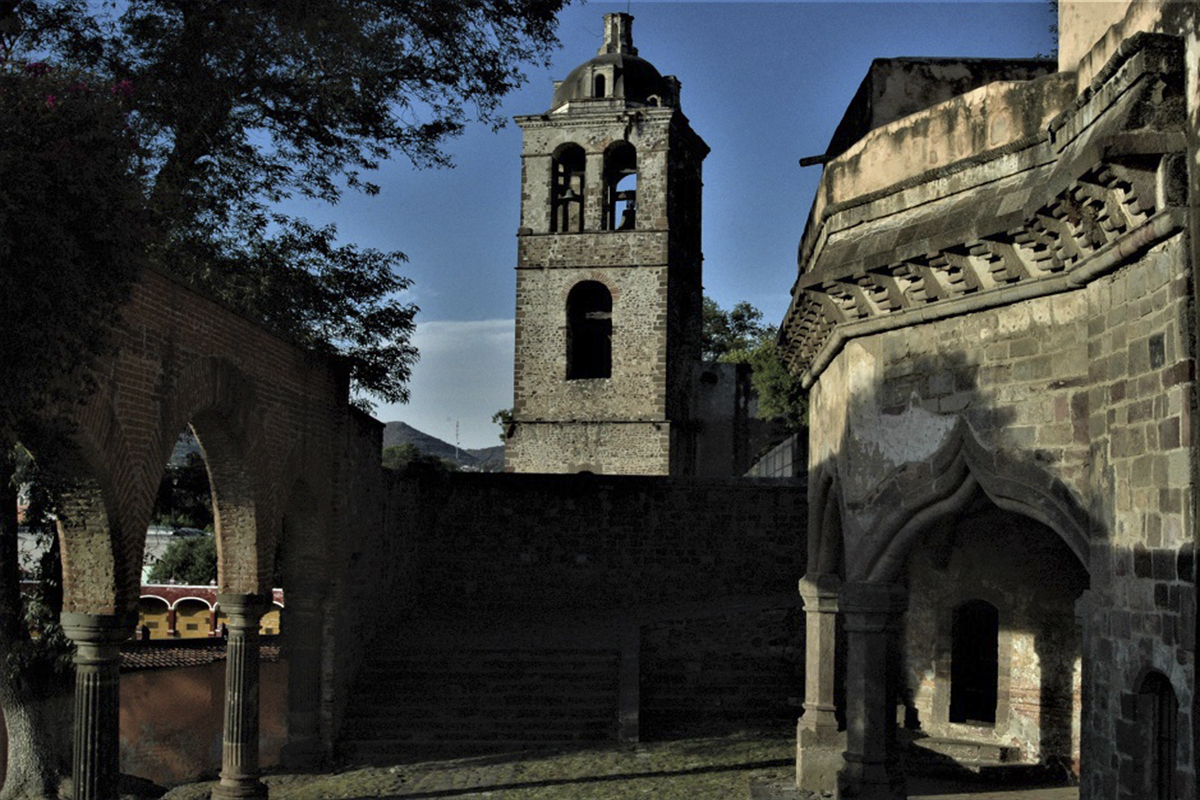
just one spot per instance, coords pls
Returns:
(599, 87)
(566, 199)
(974, 663)
(589, 331)
(620, 188)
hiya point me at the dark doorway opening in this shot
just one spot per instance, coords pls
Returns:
(974, 663)
(1157, 711)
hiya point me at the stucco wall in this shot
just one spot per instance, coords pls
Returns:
(171, 721)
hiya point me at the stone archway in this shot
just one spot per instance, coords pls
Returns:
(991, 650)
(862, 569)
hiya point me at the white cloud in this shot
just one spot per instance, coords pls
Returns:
(465, 375)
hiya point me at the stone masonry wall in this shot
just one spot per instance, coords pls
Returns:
(722, 671)
(1094, 388)
(491, 542)
(637, 388)
(611, 448)
(694, 581)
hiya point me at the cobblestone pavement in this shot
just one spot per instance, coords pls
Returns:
(738, 767)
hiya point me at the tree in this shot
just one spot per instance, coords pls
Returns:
(739, 336)
(738, 330)
(71, 227)
(249, 102)
(504, 418)
(167, 132)
(190, 560)
(184, 498)
(408, 459)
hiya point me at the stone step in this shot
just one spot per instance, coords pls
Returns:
(971, 751)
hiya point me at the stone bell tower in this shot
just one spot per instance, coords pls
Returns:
(608, 272)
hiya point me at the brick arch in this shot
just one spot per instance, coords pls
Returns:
(917, 495)
(221, 405)
(99, 514)
(592, 275)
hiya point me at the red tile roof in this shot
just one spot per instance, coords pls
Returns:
(188, 653)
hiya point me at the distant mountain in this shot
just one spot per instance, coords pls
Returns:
(484, 459)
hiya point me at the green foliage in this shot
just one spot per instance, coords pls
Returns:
(38, 653)
(190, 560)
(739, 336)
(730, 335)
(407, 459)
(780, 395)
(247, 103)
(72, 232)
(184, 498)
(504, 418)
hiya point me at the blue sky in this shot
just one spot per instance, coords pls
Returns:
(763, 83)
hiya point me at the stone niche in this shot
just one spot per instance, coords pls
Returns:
(991, 645)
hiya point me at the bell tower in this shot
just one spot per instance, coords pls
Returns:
(608, 272)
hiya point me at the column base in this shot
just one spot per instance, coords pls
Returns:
(869, 781)
(819, 754)
(249, 789)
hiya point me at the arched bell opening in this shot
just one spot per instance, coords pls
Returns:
(992, 649)
(620, 187)
(568, 166)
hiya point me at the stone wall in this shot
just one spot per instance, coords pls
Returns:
(722, 669)
(691, 580)
(492, 542)
(1015, 330)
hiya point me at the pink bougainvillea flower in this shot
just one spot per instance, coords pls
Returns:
(51, 100)
(123, 88)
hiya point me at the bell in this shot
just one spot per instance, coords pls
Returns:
(569, 194)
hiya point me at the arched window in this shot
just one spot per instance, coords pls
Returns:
(620, 187)
(589, 331)
(1157, 710)
(566, 198)
(974, 654)
(598, 86)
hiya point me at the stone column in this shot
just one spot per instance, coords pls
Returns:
(872, 618)
(819, 745)
(95, 761)
(239, 744)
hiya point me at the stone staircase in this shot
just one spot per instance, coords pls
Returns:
(421, 699)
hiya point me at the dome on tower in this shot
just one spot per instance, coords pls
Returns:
(617, 73)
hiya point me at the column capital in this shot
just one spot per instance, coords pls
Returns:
(81, 626)
(239, 607)
(818, 589)
(96, 636)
